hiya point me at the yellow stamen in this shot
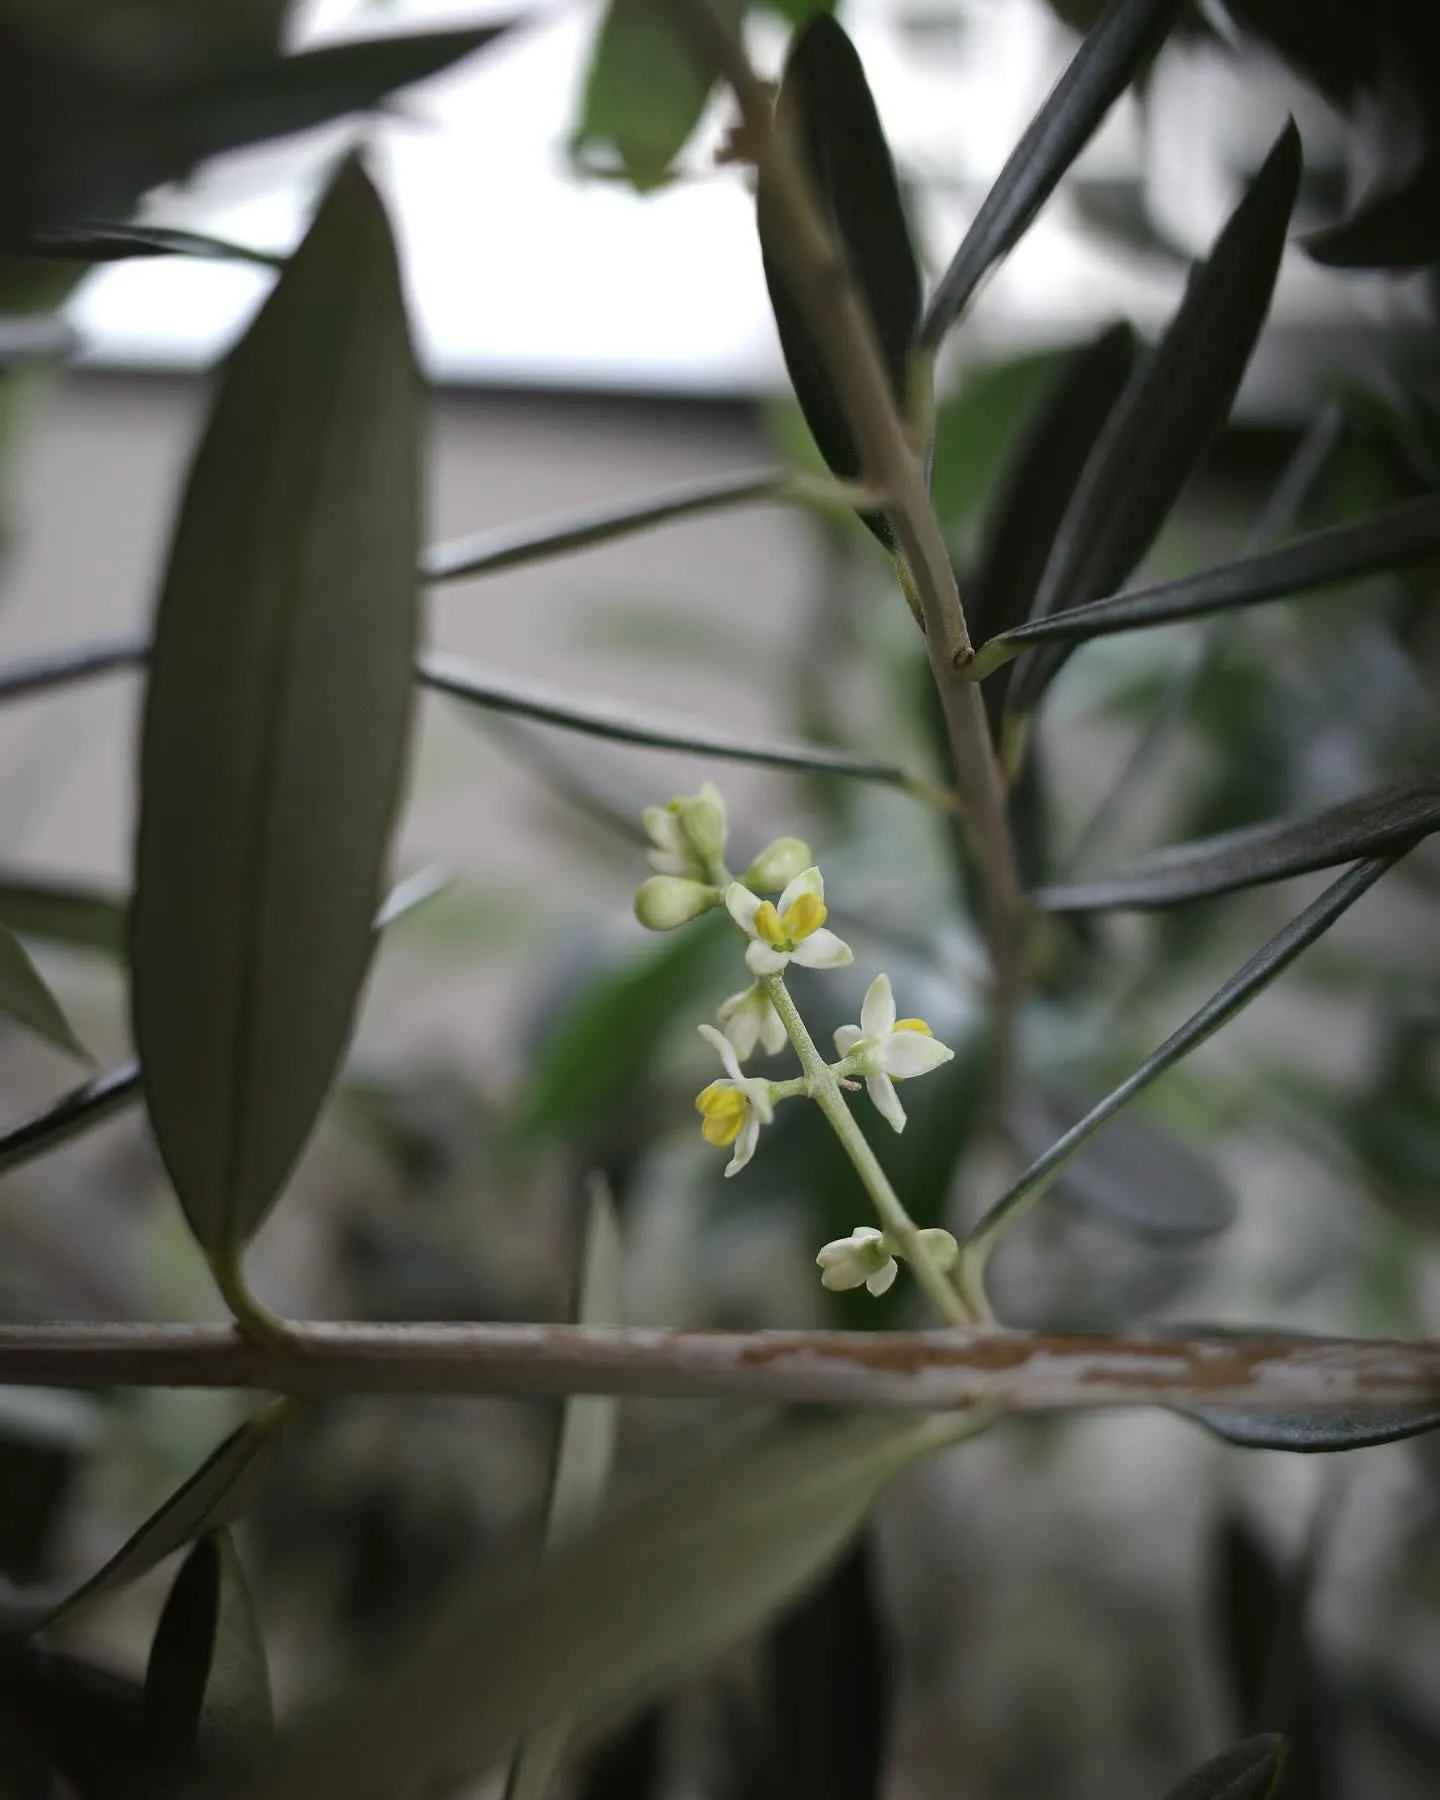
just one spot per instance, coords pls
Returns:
(723, 1108)
(804, 916)
(914, 1025)
(767, 924)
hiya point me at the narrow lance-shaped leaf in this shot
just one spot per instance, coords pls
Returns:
(1125, 35)
(584, 1453)
(81, 918)
(223, 1488)
(1387, 540)
(1247, 1771)
(623, 1613)
(825, 101)
(276, 723)
(97, 242)
(1397, 815)
(1036, 488)
(1237, 993)
(26, 1000)
(207, 1686)
(1175, 405)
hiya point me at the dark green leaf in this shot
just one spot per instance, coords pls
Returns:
(626, 724)
(1036, 488)
(1387, 540)
(1137, 1176)
(510, 545)
(1124, 37)
(276, 723)
(79, 1110)
(1321, 1429)
(207, 1686)
(80, 918)
(1395, 816)
(26, 1001)
(1333, 44)
(1172, 410)
(225, 1485)
(1233, 997)
(623, 1613)
(1248, 1771)
(114, 243)
(977, 426)
(825, 98)
(644, 93)
(1398, 228)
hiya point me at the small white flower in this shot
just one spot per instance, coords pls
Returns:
(734, 1108)
(885, 1049)
(865, 1256)
(790, 929)
(688, 834)
(748, 1019)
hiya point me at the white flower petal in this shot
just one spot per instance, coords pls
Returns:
(808, 881)
(846, 1038)
(883, 1279)
(887, 1102)
(757, 1092)
(725, 1051)
(744, 1144)
(909, 1053)
(840, 1276)
(773, 1034)
(822, 950)
(877, 1012)
(742, 1029)
(763, 959)
(742, 906)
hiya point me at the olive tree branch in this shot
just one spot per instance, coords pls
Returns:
(928, 1370)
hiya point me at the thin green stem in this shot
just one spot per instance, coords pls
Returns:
(824, 1089)
(253, 1318)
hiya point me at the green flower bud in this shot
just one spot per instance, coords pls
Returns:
(702, 820)
(942, 1247)
(777, 865)
(665, 901)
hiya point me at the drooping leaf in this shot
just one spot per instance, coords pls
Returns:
(73, 1113)
(626, 724)
(80, 918)
(511, 545)
(1247, 1771)
(1036, 488)
(584, 1453)
(224, 1487)
(207, 1684)
(645, 90)
(1399, 814)
(109, 149)
(1387, 540)
(276, 723)
(623, 1613)
(1126, 35)
(26, 1000)
(1171, 411)
(826, 102)
(1136, 1176)
(1233, 997)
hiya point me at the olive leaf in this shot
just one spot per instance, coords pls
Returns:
(81, 918)
(26, 1000)
(78, 1111)
(1125, 35)
(645, 90)
(1399, 814)
(1247, 1771)
(1171, 411)
(276, 723)
(207, 1686)
(825, 101)
(622, 1613)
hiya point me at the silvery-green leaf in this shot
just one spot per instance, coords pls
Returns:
(276, 722)
(26, 1000)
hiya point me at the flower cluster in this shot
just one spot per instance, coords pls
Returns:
(688, 839)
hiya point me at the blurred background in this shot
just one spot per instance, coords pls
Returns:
(1071, 1609)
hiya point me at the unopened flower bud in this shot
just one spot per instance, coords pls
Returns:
(778, 864)
(864, 1257)
(941, 1245)
(702, 820)
(665, 901)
